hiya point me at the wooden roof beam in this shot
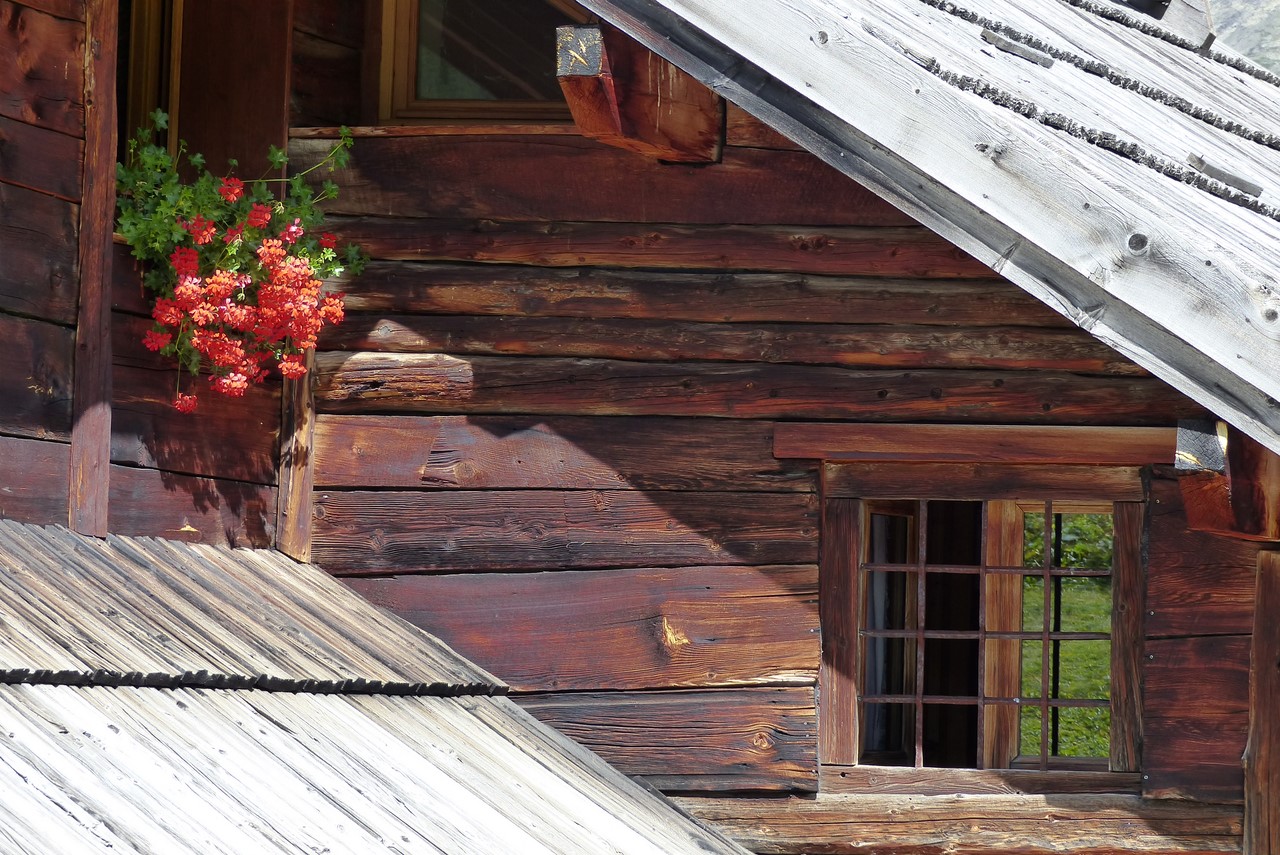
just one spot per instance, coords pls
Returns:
(624, 95)
(1230, 483)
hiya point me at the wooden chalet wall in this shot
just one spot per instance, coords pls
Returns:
(545, 430)
(42, 152)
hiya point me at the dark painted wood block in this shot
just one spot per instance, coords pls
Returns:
(1197, 583)
(721, 740)
(33, 480)
(715, 297)
(364, 532)
(39, 265)
(523, 452)
(1195, 717)
(685, 627)
(41, 160)
(42, 75)
(36, 383)
(572, 179)
(151, 503)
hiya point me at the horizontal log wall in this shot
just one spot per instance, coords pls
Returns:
(1199, 617)
(42, 130)
(545, 430)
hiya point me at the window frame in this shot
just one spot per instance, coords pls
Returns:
(398, 104)
(1072, 466)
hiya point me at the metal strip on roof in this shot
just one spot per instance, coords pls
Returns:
(141, 611)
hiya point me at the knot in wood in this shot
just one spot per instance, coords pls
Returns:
(1138, 242)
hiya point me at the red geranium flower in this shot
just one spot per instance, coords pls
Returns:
(231, 189)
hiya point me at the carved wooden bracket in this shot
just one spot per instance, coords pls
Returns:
(623, 94)
(1230, 483)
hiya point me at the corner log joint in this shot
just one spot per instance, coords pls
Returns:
(623, 95)
(1230, 483)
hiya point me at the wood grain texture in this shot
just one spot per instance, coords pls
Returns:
(835, 250)
(620, 629)
(42, 160)
(1262, 751)
(839, 606)
(1005, 444)
(367, 533)
(972, 824)
(326, 81)
(743, 129)
(71, 9)
(1244, 501)
(39, 262)
(575, 180)
(33, 479)
(296, 467)
(1002, 610)
(1195, 717)
(756, 739)
(91, 426)
(1128, 577)
(520, 452)
(854, 346)
(835, 780)
(980, 481)
(42, 78)
(151, 503)
(1197, 583)
(439, 383)
(37, 381)
(338, 21)
(713, 297)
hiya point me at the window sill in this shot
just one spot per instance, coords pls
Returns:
(942, 782)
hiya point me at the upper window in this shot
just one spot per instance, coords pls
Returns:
(473, 59)
(986, 634)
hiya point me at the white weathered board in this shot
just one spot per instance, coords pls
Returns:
(1062, 178)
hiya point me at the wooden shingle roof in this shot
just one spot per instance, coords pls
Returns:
(1098, 160)
(165, 697)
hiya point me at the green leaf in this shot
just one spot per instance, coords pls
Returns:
(276, 157)
(159, 118)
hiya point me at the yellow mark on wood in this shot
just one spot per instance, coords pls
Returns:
(672, 637)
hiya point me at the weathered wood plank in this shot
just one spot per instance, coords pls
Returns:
(91, 426)
(982, 481)
(901, 780)
(70, 9)
(1262, 751)
(743, 129)
(571, 179)
(339, 21)
(33, 480)
(722, 740)
(854, 346)
(41, 160)
(835, 250)
(515, 452)
(439, 383)
(326, 80)
(972, 824)
(1195, 717)
(1097, 446)
(36, 383)
(620, 629)
(42, 77)
(1197, 583)
(39, 261)
(152, 503)
(839, 608)
(1128, 576)
(1240, 500)
(717, 297)
(296, 470)
(364, 533)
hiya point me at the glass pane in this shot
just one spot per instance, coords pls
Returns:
(1029, 732)
(1084, 732)
(951, 601)
(955, 533)
(950, 735)
(889, 539)
(888, 731)
(1031, 673)
(1083, 541)
(951, 667)
(487, 50)
(1033, 604)
(890, 600)
(1086, 604)
(1033, 539)
(889, 666)
(1084, 670)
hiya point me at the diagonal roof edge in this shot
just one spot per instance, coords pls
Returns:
(1118, 293)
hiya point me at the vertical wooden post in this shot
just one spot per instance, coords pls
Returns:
(1128, 595)
(296, 480)
(1003, 666)
(1262, 753)
(91, 429)
(838, 740)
